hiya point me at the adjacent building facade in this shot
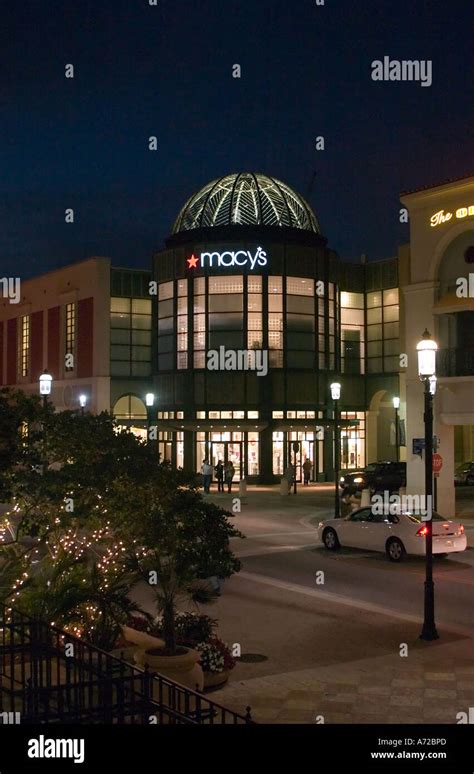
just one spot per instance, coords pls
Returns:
(243, 321)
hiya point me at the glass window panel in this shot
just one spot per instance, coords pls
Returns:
(299, 340)
(182, 287)
(227, 284)
(182, 324)
(390, 330)
(300, 304)
(199, 285)
(322, 343)
(275, 285)
(352, 300)
(165, 362)
(231, 302)
(254, 321)
(390, 313)
(251, 415)
(183, 305)
(165, 290)
(199, 360)
(119, 336)
(254, 284)
(225, 339)
(226, 322)
(141, 321)
(275, 340)
(254, 339)
(182, 360)
(165, 325)
(199, 340)
(119, 320)
(374, 348)
(300, 359)
(118, 368)
(141, 353)
(374, 299)
(141, 337)
(354, 316)
(275, 303)
(374, 365)
(300, 322)
(199, 304)
(275, 359)
(182, 342)
(321, 324)
(299, 286)
(391, 347)
(275, 322)
(391, 363)
(374, 315)
(331, 326)
(199, 322)
(374, 332)
(165, 308)
(254, 303)
(119, 353)
(165, 343)
(390, 296)
(141, 306)
(120, 305)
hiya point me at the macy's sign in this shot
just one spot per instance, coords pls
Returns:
(228, 258)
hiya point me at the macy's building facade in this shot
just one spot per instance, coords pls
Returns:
(251, 316)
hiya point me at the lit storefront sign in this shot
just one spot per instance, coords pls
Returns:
(443, 217)
(227, 259)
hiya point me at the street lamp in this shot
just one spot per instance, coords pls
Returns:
(335, 395)
(149, 402)
(82, 402)
(426, 350)
(396, 406)
(45, 384)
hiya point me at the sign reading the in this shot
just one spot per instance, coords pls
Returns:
(227, 259)
(443, 217)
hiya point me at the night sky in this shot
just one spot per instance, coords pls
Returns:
(166, 70)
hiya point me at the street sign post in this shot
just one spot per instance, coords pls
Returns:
(437, 464)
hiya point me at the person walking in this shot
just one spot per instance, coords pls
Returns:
(307, 471)
(206, 471)
(229, 473)
(219, 471)
(289, 474)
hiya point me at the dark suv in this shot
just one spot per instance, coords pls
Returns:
(378, 477)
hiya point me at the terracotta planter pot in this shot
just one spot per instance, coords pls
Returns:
(141, 639)
(183, 668)
(215, 679)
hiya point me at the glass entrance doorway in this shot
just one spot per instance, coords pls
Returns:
(228, 451)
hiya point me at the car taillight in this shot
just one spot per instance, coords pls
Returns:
(461, 529)
(422, 532)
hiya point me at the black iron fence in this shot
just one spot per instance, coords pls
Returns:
(49, 676)
(455, 361)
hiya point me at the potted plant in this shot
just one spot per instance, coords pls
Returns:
(216, 661)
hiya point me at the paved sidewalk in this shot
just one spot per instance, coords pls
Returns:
(346, 666)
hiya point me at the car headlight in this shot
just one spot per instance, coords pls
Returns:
(321, 524)
(358, 480)
(341, 480)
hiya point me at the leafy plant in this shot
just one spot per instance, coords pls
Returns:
(216, 656)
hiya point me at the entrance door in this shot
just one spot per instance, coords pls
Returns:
(228, 451)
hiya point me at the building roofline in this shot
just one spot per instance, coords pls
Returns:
(36, 277)
(434, 186)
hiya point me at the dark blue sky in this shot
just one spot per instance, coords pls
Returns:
(167, 71)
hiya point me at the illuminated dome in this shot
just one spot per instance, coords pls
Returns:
(246, 199)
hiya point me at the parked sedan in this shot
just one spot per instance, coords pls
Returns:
(464, 474)
(395, 534)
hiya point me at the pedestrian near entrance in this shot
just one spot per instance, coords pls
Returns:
(206, 471)
(307, 471)
(229, 473)
(219, 471)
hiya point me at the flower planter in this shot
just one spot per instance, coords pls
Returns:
(182, 668)
(216, 679)
(141, 639)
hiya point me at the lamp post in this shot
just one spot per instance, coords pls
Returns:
(335, 395)
(426, 350)
(149, 402)
(82, 402)
(396, 406)
(45, 384)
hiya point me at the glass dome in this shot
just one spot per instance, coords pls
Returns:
(246, 199)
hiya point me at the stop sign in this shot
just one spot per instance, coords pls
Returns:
(437, 463)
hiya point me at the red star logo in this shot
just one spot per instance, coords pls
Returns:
(192, 262)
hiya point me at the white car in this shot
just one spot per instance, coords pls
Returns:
(395, 535)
